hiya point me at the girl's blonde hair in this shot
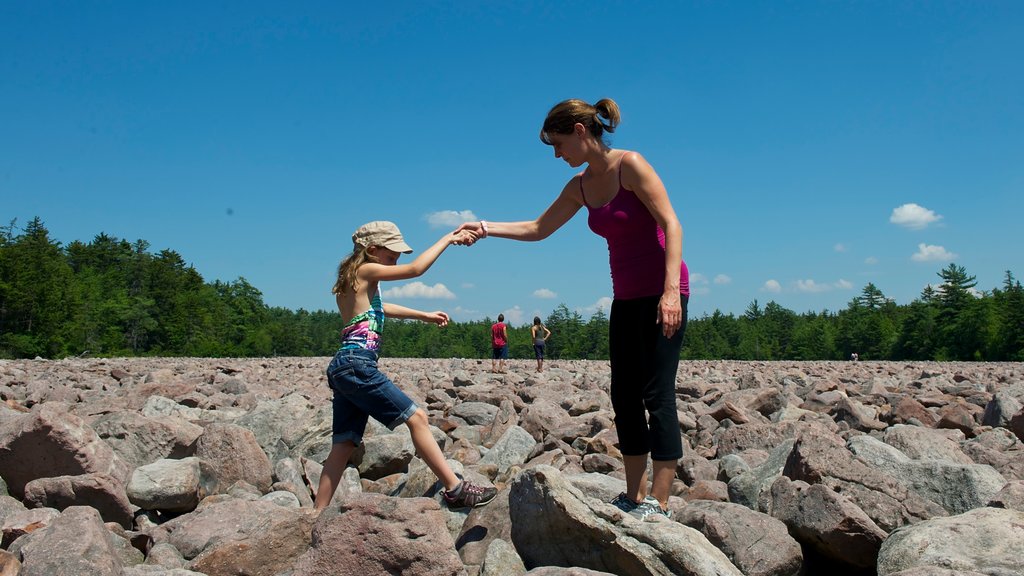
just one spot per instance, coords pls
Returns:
(566, 114)
(347, 269)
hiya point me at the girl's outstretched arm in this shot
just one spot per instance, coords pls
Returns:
(403, 313)
(373, 272)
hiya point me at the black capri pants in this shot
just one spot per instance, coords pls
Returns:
(643, 390)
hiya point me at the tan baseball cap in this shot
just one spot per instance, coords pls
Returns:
(381, 233)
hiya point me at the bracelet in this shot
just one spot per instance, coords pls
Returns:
(483, 224)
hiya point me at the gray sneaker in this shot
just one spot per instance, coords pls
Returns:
(649, 507)
(624, 503)
(469, 495)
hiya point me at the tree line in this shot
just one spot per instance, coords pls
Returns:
(111, 297)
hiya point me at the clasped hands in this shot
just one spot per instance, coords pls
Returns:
(468, 233)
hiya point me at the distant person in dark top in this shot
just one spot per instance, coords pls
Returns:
(540, 334)
(499, 345)
(628, 205)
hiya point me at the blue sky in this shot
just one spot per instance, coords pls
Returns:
(808, 147)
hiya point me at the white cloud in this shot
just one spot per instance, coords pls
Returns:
(913, 216)
(467, 313)
(772, 286)
(813, 287)
(839, 247)
(514, 316)
(449, 218)
(699, 283)
(930, 253)
(871, 260)
(544, 293)
(419, 290)
(603, 303)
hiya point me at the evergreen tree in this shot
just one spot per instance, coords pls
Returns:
(814, 338)
(111, 297)
(597, 336)
(569, 327)
(777, 329)
(35, 288)
(868, 326)
(1009, 330)
(959, 321)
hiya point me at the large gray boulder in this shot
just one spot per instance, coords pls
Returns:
(166, 485)
(753, 487)
(75, 543)
(986, 540)
(19, 522)
(377, 534)
(956, 487)
(827, 521)
(1003, 405)
(232, 454)
(483, 526)
(100, 491)
(140, 440)
(819, 457)
(292, 426)
(756, 543)
(232, 536)
(51, 442)
(385, 451)
(920, 443)
(512, 449)
(554, 524)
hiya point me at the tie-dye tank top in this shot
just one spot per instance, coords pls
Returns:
(364, 330)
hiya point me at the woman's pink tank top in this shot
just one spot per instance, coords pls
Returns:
(636, 245)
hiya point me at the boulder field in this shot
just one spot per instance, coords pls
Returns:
(191, 466)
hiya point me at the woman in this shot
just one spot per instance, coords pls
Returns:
(629, 206)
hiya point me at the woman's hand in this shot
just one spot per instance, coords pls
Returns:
(670, 313)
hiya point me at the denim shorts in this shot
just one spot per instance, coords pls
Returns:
(499, 352)
(361, 391)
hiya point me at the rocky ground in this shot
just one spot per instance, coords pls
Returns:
(180, 466)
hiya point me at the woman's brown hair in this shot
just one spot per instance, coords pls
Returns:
(566, 114)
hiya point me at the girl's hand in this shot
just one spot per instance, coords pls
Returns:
(670, 313)
(464, 238)
(475, 229)
(439, 318)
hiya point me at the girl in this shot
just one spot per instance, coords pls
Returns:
(540, 334)
(360, 389)
(628, 205)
